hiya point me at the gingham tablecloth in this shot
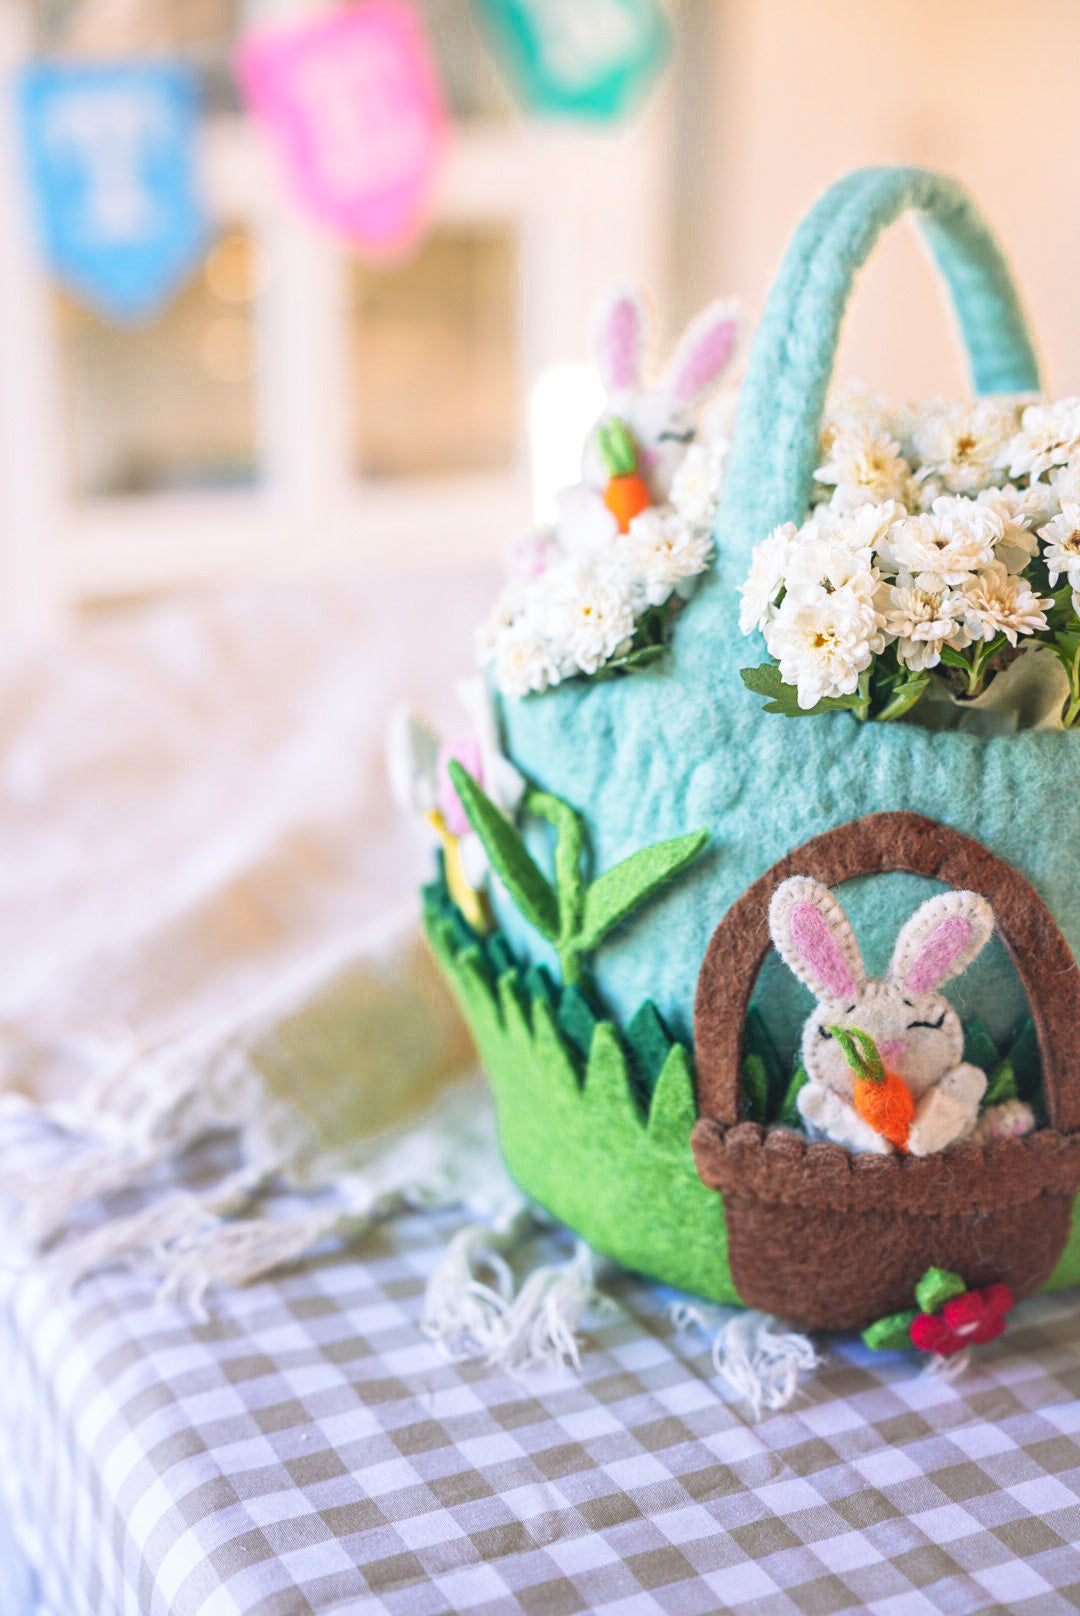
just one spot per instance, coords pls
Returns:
(307, 1450)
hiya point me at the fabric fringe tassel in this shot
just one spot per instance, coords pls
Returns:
(468, 1316)
(760, 1360)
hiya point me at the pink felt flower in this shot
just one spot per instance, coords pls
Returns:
(463, 749)
(970, 1320)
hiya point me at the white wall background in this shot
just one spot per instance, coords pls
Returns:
(985, 89)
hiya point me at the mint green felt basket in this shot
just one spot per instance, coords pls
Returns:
(683, 745)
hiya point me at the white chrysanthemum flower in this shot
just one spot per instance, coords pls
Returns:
(1049, 436)
(823, 641)
(998, 602)
(923, 620)
(765, 580)
(1065, 484)
(510, 605)
(523, 660)
(816, 564)
(1061, 545)
(863, 469)
(943, 547)
(695, 489)
(1020, 510)
(850, 408)
(860, 531)
(588, 612)
(663, 551)
(958, 444)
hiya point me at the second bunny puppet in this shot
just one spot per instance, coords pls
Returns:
(917, 1094)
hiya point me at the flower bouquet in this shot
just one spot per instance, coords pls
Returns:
(938, 569)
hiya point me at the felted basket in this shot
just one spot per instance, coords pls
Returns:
(593, 1092)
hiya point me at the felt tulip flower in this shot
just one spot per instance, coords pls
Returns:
(418, 765)
(970, 1320)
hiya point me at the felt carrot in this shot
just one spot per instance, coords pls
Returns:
(881, 1098)
(626, 494)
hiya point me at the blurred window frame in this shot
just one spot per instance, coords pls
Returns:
(549, 184)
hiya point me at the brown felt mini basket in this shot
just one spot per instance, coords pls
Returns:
(830, 1239)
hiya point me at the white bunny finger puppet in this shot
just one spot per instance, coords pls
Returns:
(916, 1031)
(661, 417)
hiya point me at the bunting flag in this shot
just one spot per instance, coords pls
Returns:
(579, 58)
(353, 108)
(110, 152)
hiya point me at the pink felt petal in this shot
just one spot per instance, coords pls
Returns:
(820, 950)
(939, 954)
(464, 749)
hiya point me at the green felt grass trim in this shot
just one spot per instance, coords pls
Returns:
(1067, 1272)
(574, 916)
(579, 1133)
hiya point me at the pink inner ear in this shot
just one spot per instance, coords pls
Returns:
(705, 361)
(621, 343)
(939, 954)
(819, 948)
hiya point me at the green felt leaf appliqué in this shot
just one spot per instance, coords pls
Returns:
(510, 858)
(618, 892)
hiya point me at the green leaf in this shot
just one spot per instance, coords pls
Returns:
(1026, 1062)
(510, 858)
(620, 890)
(954, 659)
(891, 1334)
(616, 449)
(789, 1115)
(979, 1048)
(860, 1052)
(936, 1287)
(903, 698)
(757, 1040)
(766, 681)
(755, 1088)
(1000, 1084)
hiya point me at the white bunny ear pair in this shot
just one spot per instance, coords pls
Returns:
(813, 936)
(703, 353)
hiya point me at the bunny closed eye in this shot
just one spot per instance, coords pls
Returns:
(915, 1032)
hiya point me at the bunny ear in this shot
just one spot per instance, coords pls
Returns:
(620, 334)
(704, 352)
(940, 940)
(813, 936)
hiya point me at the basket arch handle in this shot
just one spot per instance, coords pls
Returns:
(770, 472)
(875, 845)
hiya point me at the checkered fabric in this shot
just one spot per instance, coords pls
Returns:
(307, 1450)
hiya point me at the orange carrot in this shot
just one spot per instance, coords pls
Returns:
(627, 493)
(881, 1098)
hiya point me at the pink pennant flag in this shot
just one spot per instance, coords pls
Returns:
(353, 105)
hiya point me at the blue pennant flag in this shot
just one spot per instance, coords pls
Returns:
(579, 58)
(110, 151)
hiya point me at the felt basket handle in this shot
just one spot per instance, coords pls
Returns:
(775, 451)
